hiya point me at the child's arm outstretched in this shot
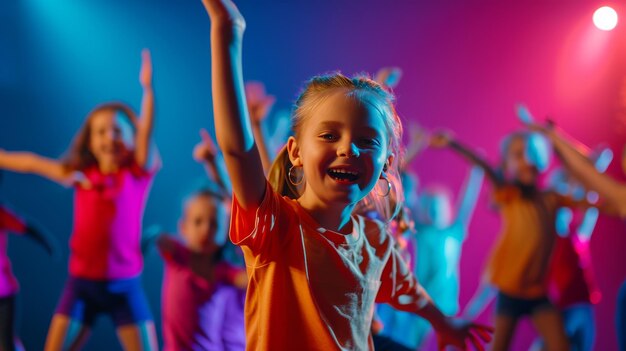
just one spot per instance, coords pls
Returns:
(469, 196)
(580, 166)
(444, 139)
(146, 119)
(232, 124)
(402, 291)
(207, 153)
(28, 162)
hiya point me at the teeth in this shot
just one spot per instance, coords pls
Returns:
(344, 171)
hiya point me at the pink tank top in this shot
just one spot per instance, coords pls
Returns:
(105, 242)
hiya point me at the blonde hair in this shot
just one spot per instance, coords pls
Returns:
(364, 90)
(78, 156)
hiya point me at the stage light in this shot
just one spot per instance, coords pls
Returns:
(605, 18)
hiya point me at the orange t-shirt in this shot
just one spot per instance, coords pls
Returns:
(311, 288)
(519, 261)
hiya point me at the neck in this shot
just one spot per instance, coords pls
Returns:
(107, 167)
(333, 217)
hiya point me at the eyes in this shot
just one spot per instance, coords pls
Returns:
(117, 131)
(363, 141)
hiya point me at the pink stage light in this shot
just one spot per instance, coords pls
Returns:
(605, 18)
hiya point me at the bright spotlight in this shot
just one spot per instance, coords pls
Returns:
(605, 18)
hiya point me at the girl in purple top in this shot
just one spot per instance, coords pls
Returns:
(108, 166)
(11, 223)
(202, 296)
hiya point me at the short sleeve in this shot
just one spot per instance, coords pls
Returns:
(9, 221)
(399, 286)
(263, 227)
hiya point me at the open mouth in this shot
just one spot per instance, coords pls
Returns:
(343, 175)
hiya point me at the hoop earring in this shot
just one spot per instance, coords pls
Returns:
(291, 177)
(388, 188)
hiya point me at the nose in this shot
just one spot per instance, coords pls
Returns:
(348, 149)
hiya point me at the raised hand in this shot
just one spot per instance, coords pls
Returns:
(389, 77)
(145, 73)
(259, 103)
(461, 334)
(205, 150)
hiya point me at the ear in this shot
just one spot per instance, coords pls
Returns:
(387, 165)
(293, 150)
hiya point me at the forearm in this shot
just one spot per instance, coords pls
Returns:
(433, 315)
(232, 125)
(472, 157)
(217, 172)
(27, 162)
(581, 168)
(469, 195)
(144, 127)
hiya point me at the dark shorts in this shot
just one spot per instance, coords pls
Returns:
(7, 321)
(123, 299)
(515, 307)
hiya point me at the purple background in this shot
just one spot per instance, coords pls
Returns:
(466, 64)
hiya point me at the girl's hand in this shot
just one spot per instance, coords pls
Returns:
(461, 333)
(259, 103)
(145, 74)
(388, 76)
(205, 150)
(224, 13)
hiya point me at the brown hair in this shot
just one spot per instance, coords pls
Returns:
(365, 90)
(78, 156)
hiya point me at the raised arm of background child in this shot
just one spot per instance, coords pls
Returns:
(232, 124)
(259, 105)
(207, 153)
(443, 139)
(479, 302)
(579, 165)
(27, 162)
(143, 137)
(469, 196)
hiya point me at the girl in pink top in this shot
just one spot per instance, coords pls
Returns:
(314, 269)
(108, 166)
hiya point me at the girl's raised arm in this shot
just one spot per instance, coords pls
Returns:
(443, 139)
(207, 153)
(469, 196)
(146, 118)
(580, 166)
(28, 162)
(232, 124)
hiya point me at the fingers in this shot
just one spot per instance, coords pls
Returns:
(145, 56)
